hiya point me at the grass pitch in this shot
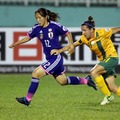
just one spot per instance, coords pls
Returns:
(54, 102)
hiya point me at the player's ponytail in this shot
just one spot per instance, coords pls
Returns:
(53, 16)
(47, 13)
(90, 22)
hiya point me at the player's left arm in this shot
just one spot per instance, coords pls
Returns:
(115, 30)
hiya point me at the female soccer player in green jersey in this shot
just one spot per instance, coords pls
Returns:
(99, 41)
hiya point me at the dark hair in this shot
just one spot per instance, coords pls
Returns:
(90, 22)
(51, 15)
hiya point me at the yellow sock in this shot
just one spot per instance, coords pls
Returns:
(102, 85)
(118, 92)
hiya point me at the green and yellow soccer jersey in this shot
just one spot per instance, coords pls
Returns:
(101, 44)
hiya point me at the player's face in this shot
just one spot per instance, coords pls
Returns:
(88, 33)
(42, 21)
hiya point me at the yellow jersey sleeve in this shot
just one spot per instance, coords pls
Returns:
(105, 32)
(79, 42)
(82, 40)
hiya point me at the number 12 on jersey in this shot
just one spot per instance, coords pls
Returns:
(47, 43)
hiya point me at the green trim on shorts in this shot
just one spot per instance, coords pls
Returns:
(109, 65)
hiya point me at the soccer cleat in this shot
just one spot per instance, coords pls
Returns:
(107, 99)
(91, 82)
(23, 100)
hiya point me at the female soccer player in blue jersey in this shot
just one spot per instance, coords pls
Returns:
(48, 31)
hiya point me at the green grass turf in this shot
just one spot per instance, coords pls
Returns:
(54, 102)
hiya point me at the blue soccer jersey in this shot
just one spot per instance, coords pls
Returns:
(49, 36)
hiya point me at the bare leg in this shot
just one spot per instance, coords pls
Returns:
(111, 84)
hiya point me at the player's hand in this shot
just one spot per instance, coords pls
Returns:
(55, 52)
(12, 45)
(71, 49)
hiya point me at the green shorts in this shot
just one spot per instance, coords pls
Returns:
(109, 65)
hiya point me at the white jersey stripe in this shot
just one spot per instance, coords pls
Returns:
(54, 63)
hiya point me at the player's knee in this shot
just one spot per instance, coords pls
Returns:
(35, 75)
(94, 73)
(38, 74)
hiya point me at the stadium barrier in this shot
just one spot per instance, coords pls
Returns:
(26, 57)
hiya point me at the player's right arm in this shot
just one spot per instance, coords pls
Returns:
(77, 43)
(115, 30)
(58, 51)
(24, 40)
(66, 48)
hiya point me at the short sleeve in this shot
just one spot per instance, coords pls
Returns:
(107, 32)
(61, 30)
(32, 32)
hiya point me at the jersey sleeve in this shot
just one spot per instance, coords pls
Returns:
(61, 30)
(107, 32)
(79, 42)
(32, 32)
